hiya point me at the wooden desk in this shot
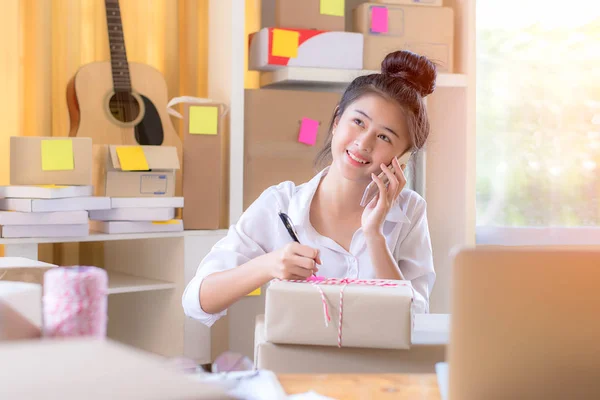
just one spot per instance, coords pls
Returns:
(364, 386)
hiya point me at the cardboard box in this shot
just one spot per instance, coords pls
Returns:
(272, 150)
(37, 231)
(436, 3)
(150, 171)
(374, 316)
(43, 218)
(50, 161)
(389, 28)
(105, 369)
(45, 191)
(308, 14)
(134, 214)
(56, 205)
(20, 303)
(146, 202)
(303, 359)
(24, 298)
(21, 269)
(204, 166)
(273, 48)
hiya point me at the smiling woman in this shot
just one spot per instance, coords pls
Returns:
(380, 117)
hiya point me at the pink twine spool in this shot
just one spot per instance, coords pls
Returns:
(75, 302)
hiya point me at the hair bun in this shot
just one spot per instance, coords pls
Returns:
(417, 70)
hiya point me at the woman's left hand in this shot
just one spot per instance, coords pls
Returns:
(375, 212)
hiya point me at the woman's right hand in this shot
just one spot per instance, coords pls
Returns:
(294, 261)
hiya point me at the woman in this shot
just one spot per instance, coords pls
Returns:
(380, 117)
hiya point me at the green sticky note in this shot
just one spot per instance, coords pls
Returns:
(333, 7)
(285, 43)
(203, 120)
(132, 158)
(57, 155)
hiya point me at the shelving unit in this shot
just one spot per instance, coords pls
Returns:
(333, 79)
(147, 274)
(124, 283)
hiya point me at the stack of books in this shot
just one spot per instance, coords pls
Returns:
(138, 215)
(47, 210)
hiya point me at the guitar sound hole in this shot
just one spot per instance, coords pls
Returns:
(124, 107)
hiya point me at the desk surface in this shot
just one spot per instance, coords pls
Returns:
(364, 386)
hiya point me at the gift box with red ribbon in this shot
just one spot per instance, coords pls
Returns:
(366, 313)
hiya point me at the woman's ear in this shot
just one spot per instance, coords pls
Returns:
(336, 119)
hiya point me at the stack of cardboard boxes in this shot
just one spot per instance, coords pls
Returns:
(282, 145)
(308, 33)
(140, 182)
(312, 33)
(50, 192)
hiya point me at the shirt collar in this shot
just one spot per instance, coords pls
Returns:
(299, 209)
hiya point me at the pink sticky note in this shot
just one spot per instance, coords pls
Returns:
(308, 131)
(379, 19)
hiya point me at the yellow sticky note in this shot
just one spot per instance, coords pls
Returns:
(52, 186)
(203, 120)
(285, 43)
(57, 155)
(254, 293)
(169, 222)
(333, 7)
(132, 158)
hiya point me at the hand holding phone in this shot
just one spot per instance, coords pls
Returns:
(372, 190)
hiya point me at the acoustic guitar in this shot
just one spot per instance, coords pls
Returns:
(119, 102)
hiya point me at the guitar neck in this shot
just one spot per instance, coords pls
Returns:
(116, 40)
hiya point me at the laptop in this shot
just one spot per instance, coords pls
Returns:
(525, 324)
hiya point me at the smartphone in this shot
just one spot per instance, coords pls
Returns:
(372, 189)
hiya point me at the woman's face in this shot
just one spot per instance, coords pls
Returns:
(371, 131)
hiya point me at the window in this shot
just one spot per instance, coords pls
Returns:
(538, 122)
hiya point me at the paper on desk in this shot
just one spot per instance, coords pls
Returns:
(248, 385)
(308, 396)
(256, 385)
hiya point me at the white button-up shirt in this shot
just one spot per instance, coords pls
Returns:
(260, 230)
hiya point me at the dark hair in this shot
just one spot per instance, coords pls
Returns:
(406, 78)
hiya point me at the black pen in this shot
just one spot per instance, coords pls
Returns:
(287, 222)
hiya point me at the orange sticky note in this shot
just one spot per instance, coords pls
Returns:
(333, 7)
(203, 120)
(254, 293)
(285, 43)
(132, 158)
(57, 155)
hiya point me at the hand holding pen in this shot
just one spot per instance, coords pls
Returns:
(294, 261)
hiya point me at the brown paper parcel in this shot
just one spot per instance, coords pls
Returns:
(373, 316)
